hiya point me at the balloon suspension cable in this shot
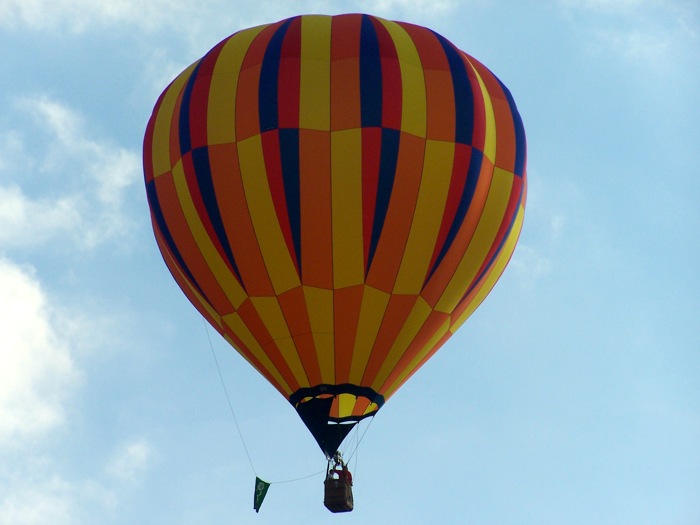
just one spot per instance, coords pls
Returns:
(228, 399)
(298, 479)
(353, 449)
(235, 420)
(357, 445)
(355, 452)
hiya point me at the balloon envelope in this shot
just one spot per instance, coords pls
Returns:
(336, 195)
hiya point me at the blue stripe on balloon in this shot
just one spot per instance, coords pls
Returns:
(269, 73)
(184, 121)
(465, 201)
(162, 225)
(496, 253)
(387, 169)
(520, 140)
(370, 75)
(205, 184)
(464, 98)
(289, 158)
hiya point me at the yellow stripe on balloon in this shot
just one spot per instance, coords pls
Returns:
(160, 142)
(415, 362)
(201, 303)
(272, 317)
(238, 327)
(221, 108)
(491, 132)
(225, 278)
(419, 313)
(346, 404)
(414, 107)
(262, 371)
(346, 189)
(273, 247)
(484, 237)
(315, 88)
(374, 303)
(319, 304)
(495, 273)
(372, 407)
(434, 186)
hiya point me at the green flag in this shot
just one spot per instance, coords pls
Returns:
(260, 492)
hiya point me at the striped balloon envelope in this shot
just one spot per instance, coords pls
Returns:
(336, 195)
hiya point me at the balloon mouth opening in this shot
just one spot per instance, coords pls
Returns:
(331, 411)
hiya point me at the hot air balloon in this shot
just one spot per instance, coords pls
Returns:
(336, 195)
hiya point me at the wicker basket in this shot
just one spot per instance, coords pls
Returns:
(338, 495)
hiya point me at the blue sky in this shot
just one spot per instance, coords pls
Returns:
(571, 397)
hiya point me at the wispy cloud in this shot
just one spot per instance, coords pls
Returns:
(652, 33)
(410, 6)
(184, 17)
(60, 184)
(92, 176)
(39, 503)
(37, 371)
(639, 46)
(37, 377)
(130, 460)
(31, 221)
(36, 493)
(81, 15)
(608, 6)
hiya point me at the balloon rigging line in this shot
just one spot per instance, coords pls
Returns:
(230, 405)
(356, 438)
(361, 438)
(298, 479)
(235, 420)
(352, 436)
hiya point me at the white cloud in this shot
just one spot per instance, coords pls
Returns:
(607, 6)
(37, 371)
(412, 6)
(12, 148)
(651, 33)
(529, 264)
(185, 17)
(557, 224)
(644, 47)
(38, 495)
(31, 221)
(80, 15)
(58, 184)
(551, 206)
(130, 460)
(111, 168)
(42, 502)
(72, 186)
